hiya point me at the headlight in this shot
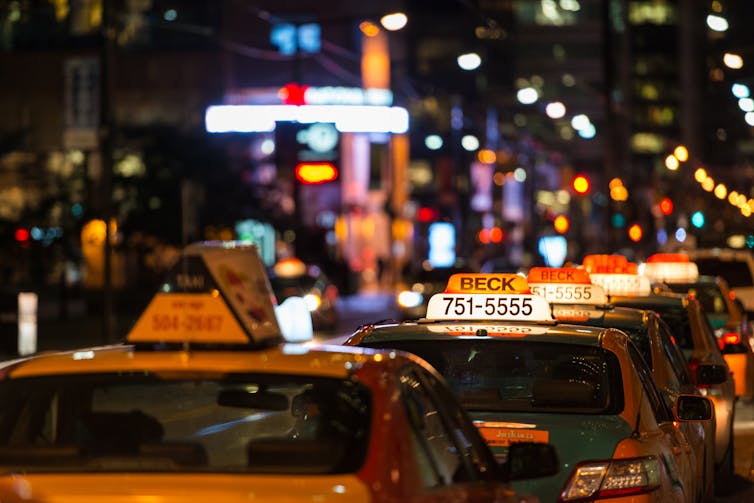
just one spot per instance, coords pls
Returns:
(409, 299)
(312, 301)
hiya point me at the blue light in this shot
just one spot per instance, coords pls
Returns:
(618, 220)
(283, 36)
(442, 244)
(309, 37)
(697, 219)
(588, 132)
(662, 237)
(740, 90)
(553, 249)
(680, 235)
(750, 241)
(170, 15)
(77, 210)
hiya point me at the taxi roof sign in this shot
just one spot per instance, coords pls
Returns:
(558, 275)
(608, 264)
(565, 285)
(218, 293)
(479, 296)
(670, 268)
(623, 284)
(487, 283)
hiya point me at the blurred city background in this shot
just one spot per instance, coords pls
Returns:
(370, 140)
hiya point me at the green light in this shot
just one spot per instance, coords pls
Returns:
(697, 219)
(750, 241)
(618, 220)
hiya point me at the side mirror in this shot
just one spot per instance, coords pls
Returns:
(711, 374)
(530, 460)
(693, 408)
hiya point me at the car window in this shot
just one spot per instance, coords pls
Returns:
(495, 375)
(735, 272)
(710, 296)
(142, 422)
(475, 449)
(673, 353)
(659, 406)
(439, 458)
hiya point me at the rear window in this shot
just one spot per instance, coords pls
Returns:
(735, 272)
(709, 295)
(513, 376)
(143, 423)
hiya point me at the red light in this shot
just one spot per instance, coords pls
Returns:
(581, 184)
(425, 214)
(21, 235)
(484, 236)
(732, 338)
(292, 94)
(496, 234)
(666, 206)
(313, 173)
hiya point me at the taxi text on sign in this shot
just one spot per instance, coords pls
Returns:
(216, 293)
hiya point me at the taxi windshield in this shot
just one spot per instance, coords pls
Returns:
(137, 422)
(512, 376)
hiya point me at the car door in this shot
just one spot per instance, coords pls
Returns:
(449, 456)
(682, 466)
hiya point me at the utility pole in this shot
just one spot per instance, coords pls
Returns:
(107, 48)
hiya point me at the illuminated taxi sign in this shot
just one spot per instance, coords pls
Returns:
(217, 293)
(670, 268)
(623, 284)
(575, 314)
(487, 283)
(565, 285)
(608, 264)
(475, 306)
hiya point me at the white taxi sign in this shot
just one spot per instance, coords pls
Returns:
(476, 306)
(622, 284)
(217, 293)
(670, 268)
(565, 285)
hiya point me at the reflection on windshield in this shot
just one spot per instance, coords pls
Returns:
(524, 377)
(138, 422)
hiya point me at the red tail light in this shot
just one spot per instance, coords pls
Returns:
(732, 338)
(694, 368)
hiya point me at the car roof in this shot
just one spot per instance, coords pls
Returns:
(322, 361)
(654, 301)
(444, 330)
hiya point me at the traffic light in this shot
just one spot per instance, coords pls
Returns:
(581, 184)
(666, 206)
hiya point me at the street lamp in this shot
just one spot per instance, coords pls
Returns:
(394, 21)
(469, 61)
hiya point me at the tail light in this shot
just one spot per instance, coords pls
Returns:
(608, 479)
(732, 338)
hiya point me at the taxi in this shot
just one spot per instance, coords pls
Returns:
(726, 317)
(525, 377)
(576, 300)
(689, 326)
(204, 403)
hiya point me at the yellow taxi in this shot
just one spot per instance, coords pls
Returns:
(576, 300)
(688, 323)
(523, 377)
(204, 403)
